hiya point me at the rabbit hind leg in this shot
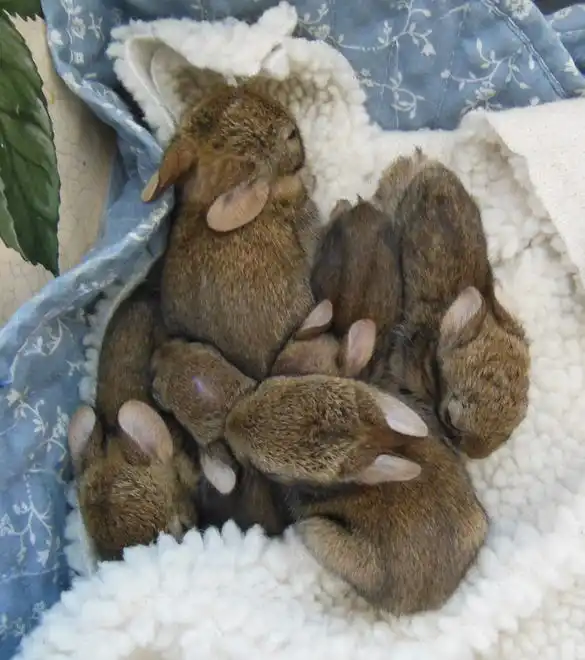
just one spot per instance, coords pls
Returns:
(345, 554)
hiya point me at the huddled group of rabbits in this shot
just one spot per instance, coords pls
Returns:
(274, 372)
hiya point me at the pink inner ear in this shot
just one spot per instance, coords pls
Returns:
(399, 416)
(220, 476)
(387, 468)
(360, 344)
(147, 429)
(317, 322)
(238, 206)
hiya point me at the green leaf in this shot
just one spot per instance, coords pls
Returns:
(22, 8)
(29, 180)
(7, 233)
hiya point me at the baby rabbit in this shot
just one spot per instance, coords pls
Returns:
(331, 448)
(176, 386)
(357, 269)
(314, 350)
(136, 475)
(199, 386)
(357, 264)
(133, 484)
(135, 330)
(348, 459)
(237, 157)
(456, 345)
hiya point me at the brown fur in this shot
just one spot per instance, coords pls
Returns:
(314, 350)
(180, 370)
(318, 355)
(246, 290)
(197, 384)
(126, 496)
(474, 368)
(124, 365)
(396, 179)
(404, 546)
(357, 270)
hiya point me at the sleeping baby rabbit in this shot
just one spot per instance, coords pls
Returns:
(333, 451)
(456, 341)
(133, 483)
(390, 511)
(314, 350)
(357, 264)
(199, 386)
(236, 270)
(358, 271)
(135, 474)
(423, 271)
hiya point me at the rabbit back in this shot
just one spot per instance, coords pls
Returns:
(244, 292)
(124, 363)
(403, 546)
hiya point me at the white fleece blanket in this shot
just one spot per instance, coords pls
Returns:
(241, 596)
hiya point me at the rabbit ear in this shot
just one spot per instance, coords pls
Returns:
(81, 427)
(341, 207)
(238, 206)
(463, 319)
(358, 347)
(146, 428)
(192, 85)
(318, 321)
(400, 417)
(220, 476)
(388, 468)
(178, 159)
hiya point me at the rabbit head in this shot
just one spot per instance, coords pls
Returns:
(228, 150)
(484, 363)
(313, 350)
(323, 431)
(183, 375)
(195, 383)
(133, 484)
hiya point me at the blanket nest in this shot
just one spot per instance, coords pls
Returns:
(234, 595)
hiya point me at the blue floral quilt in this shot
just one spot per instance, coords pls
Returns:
(423, 63)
